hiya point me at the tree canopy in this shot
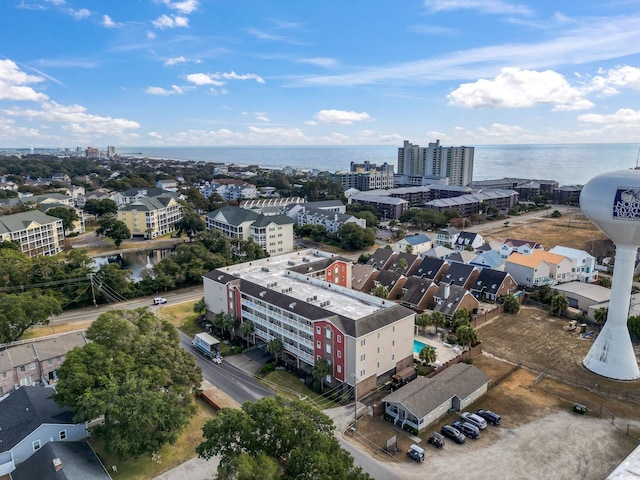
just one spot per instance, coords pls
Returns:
(114, 229)
(68, 216)
(135, 374)
(20, 311)
(294, 433)
(354, 237)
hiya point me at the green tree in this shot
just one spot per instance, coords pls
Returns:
(101, 207)
(68, 216)
(297, 435)
(423, 320)
(381, 291)
(190, 223)
(246, 328)
(250, 467)
(20, 311)
(428, 354)
(135, 376)
(371, 219)
(634, 326)
(275, 347)
(354, 237)
(438, 319)
(200, 307)
(320, 370)
(600, 314)
(558, 305)
(511, 304)
(114, 229)
(250, 250)
(467, 335)
(461, 317)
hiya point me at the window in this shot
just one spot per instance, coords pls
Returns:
(32, 366)
(318, 330)
(63, 434)
(328, 333)
(362, 357)
(363, 342)
(328, 348)
(58, 359)
(362, 373)
(339, 338)
(36, 445)
(339, 369)
(5, 374)
(22, 368)
(339, 353)
(318, 344)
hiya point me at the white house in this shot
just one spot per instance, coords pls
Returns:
(416, 244)
(583, 265)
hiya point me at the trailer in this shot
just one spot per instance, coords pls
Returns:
(403, 377)
(208, 345)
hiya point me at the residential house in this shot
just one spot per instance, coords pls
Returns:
(583, 265)
(524, 247)
(330, 220)
(388, 208)
(448, 299)
(438, 252)
(468, 241)
(416, 244)
(36, 363)
(151, 217)
(381, 258)
(133, 194)
(404, 263)
(62, 461)
(493, 285)
(36, 232)
(364, 338)
(232, 189)
(424, 401)
(528, 270)
(417, 293)
(29, 419)
(460, 274)
(362, 277)
(560, 266)
(432, 269)
(463, 256)
(447, 237)
(392, 281)
(584, 295)
(488, 259)
(170, 185)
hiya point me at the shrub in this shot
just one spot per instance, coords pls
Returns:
(451, 339)
(468, 360)
(267, 368)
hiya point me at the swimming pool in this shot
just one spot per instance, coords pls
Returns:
(418, 345)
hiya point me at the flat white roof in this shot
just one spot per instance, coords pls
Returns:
(346, 302)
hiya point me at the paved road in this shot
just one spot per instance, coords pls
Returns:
(92, 313)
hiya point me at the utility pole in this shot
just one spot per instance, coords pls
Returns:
(93, 292)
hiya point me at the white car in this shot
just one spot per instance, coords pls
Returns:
(159, 301)
(474, 419)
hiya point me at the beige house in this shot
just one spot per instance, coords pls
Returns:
(151, 217)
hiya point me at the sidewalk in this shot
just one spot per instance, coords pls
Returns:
(194, 469)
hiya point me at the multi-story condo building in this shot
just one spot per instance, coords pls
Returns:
(366, 176)
(151, 217)
(453, 163)
(305, 300)
(36, 232)
(274, 233)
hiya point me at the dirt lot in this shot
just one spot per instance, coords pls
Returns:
(540, 437)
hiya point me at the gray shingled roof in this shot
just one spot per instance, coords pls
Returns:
(423, 395)
(234, 216)
(79, 462)
(416, 289)
(264, 220)
(26, 409)
(148, 204)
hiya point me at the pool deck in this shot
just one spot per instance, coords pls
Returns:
(444, 351)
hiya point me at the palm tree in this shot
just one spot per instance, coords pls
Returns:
(428, 354)
(381, 291)
(246, 328)
(438, 319)
(467, 335)
(275, 347)
(511, 304)
(320, 370)
(600, 315)
(423, 320)
(559, 304)
(200, 307)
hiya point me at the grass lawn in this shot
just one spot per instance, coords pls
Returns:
(290, 387)
(44, 330)
(181, 316)
(170, 456)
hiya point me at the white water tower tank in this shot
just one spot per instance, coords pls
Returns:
(612, 202)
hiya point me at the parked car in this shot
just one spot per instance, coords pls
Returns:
(159, 301)
(453, 433)
(468, 429)
(416, 453)
(491, 417)
(477, 420)
(436, 439)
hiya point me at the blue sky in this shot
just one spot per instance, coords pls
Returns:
(327, 72)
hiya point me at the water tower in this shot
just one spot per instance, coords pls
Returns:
(612, 202)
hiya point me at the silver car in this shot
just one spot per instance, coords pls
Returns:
(474, 419)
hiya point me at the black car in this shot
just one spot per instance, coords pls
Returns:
(468, 429)
(491, 417)
(453, 433)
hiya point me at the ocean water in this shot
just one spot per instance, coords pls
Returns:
(572, 164)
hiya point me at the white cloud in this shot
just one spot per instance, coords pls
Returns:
(56, 2)
(204, 79)
(323, 62)
(623, 117)
(173, 21)
(608, 81)
(341, 117)
(483, 6)
(175, 89)
(218, 78)
(184, 6)
(151, 35)
(80, 14)
(13, 83)
(175, 61)
(278, 133)
(261, 116)
(516, 88)
(109, 23)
